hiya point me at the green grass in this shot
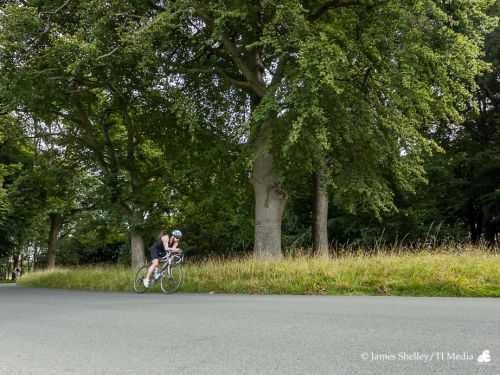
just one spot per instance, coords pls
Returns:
(7, 282)
(472, 273)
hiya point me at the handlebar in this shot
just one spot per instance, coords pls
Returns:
(169, 250)
(173, 252)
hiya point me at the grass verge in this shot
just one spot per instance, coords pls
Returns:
(472, 274)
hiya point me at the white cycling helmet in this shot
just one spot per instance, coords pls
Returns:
(177, 233)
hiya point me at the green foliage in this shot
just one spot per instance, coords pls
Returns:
(368, 85)
(461, 198)
(94, 236)
(15, 155)
(92, 81)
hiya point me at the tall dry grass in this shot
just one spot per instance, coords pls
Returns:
(444, 272)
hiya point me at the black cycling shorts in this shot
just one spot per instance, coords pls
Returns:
(157, 253)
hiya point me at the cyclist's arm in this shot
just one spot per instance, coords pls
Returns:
(165, 239)
(174, 246)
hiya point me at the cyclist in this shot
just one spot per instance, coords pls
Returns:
(159, 248)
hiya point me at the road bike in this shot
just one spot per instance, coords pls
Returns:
(169, 273)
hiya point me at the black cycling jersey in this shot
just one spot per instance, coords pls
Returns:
(159, 245)
(158, 249)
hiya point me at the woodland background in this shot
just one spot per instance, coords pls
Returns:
(272, 127)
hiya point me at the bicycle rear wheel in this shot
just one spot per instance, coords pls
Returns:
(172, 279)
(139, 279)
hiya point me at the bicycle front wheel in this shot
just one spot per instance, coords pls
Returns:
(172, 279)
(139, 279)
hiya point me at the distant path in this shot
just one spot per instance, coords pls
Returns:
(49, 332)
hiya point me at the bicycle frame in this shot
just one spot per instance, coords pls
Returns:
(171, 259)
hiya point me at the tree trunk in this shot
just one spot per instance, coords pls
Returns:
(137, 249)
(320, 215)
(15, 263)
(36, 251)
(55, 221)
(10, 267)
(476, 228)
(270, 201)
(475, 220)
(15, 259)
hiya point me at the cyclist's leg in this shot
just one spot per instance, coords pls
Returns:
(154, 264)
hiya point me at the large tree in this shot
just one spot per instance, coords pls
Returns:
(332, 77)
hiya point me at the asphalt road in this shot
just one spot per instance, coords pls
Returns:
(46, 332)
